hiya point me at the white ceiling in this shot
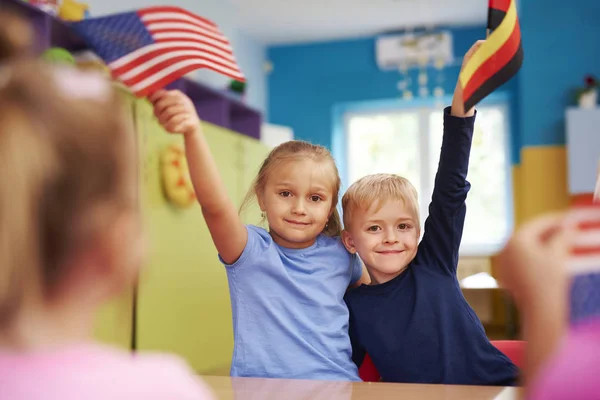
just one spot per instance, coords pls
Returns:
(293, 21)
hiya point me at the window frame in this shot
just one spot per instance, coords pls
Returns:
(340, 149)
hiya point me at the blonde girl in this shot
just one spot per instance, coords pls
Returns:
(286, 283)
(69, 235)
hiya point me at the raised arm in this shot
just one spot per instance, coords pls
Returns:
(177, 114)
(447, 210)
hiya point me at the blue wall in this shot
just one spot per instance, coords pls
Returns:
(560, 48)
(560, 44)
(308, 81)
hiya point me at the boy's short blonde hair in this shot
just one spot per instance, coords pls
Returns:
(371, 191)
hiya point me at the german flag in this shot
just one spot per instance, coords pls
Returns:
(498, 59)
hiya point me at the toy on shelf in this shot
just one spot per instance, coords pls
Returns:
(49, 6)
(88, 60)
(71, 10)
(84, 60)
(238, 88)
(176, 180)
(58, 55)
(587, 97)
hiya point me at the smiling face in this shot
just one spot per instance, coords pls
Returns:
(385, 237)
(381, 223)
(297, 200)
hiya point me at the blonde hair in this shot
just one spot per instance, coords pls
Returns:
(292, 151)
(62, 157)
(371, 191)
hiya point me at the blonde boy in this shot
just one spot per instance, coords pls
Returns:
(412, 319)
(368, 204)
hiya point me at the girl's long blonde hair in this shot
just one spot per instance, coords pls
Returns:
(291, 151)
(62, 158)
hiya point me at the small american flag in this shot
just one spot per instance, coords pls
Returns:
(584, 265)
(152, 47)
(586, 241)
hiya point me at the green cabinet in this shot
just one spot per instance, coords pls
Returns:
(252, 155)
(114, 321)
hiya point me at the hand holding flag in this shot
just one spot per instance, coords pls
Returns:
(175, 112)
(458, 106)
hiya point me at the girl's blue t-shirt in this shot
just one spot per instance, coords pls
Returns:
(289, 315)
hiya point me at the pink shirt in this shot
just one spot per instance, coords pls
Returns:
(574, 371)
(95, 372)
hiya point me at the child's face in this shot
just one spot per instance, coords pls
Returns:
(297, 199)
(386, 239)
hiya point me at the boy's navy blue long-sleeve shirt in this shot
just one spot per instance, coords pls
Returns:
(418, 327)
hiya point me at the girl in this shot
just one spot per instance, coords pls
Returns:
(286, 284)
(69, 237)
(562, 361)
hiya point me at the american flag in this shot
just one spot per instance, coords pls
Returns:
(584, 265)
(152, 47)
(586, 241)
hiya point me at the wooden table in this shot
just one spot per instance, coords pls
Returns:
(227, 388)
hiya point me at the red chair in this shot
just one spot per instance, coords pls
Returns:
(513, 349)
(367, 370)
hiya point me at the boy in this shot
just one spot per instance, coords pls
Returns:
(413, 320)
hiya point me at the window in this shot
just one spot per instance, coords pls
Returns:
(407, 142)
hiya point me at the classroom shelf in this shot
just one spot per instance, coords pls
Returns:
(583, 149)
(212, 105)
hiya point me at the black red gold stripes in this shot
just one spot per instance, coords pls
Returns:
(496, 11)
(498, 59)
